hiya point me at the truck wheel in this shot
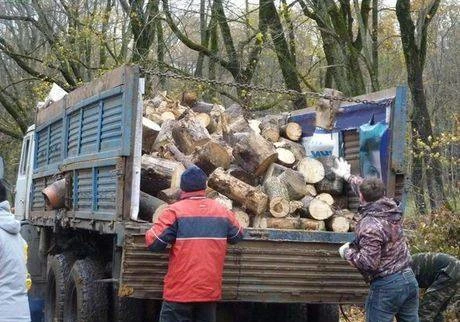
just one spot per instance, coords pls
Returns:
(57, 279)
(85, 298)
(323, 313)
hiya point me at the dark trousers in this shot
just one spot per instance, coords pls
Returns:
(188, 312)
(392, 296)
(442, 292)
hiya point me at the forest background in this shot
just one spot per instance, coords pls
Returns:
(355, 46)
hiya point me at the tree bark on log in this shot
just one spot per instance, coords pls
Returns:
(148, 205)
(295, 223)
(188, 133)
(165, 137)
(294, 181)
(249, 197)
(330, 183)
(278, 197)
(274, 170)
(243, 175)
(169, 195)
(158, 174)
(253, 153)
(312, 170)
(211, 156)
(150, 132)
(270, 129)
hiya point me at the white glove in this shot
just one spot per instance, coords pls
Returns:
(342, 168)
(343, 248)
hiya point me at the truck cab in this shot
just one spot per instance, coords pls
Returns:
(24, 176)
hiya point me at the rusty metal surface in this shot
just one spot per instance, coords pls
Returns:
(262, 271)
(351, 154)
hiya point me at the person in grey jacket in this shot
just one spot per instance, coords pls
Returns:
(14, 304)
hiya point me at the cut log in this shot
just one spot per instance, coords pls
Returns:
(169, 195)
(253, 153)
(259, 222)
(327, 198)
(312, 170)
(179, 156)
(278, 197)
(311, 224)
(296, 148)
(189, 98)
(158, 174)
(294, 182)
(291, 131)
(249, 197)
(148, 205)
(164, 137)
(167, 115)
(269, 128)
(274, 170)
(326, 109)
(188, 133)
(254, 125)
(306, 202)
(210, 156)
(319, 210)
(338, 224)
(204, 119)
(295, 223)
(283, 223)
(295, 206)
(242, 217)
(330, 183)
(223, 200)
(311, 190)
(244, 176)
(150, 131)
(285, 157)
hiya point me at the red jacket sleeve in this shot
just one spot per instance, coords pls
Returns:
(163, 231)
(235, 231)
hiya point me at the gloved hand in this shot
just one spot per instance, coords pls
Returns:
(342, 168)
(343, 248)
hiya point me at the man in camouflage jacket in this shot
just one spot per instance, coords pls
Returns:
(439, 275)
(380, 252)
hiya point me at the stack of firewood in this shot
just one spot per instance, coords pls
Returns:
(256, 168)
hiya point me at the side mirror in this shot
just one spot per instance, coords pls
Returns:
(2, 168)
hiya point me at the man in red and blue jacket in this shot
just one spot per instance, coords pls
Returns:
(198, 229)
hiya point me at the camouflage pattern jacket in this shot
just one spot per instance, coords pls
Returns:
(379, 248)
(435, 270)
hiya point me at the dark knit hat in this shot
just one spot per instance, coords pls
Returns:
(193, 179)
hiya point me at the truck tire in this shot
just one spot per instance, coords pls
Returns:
(85, 298)
(323, 313)
(57, 280)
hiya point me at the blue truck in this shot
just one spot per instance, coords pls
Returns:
(90, 255)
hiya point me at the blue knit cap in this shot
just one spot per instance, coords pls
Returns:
(193, 179)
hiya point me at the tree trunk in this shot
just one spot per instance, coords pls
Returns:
(338, 224)
(189, 134)
(158, 174)
(148, 205)
(294, 182)
(278, 197)
(312, 170)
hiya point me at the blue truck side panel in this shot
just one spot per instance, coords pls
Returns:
(87, 141)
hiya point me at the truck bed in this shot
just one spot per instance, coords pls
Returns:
(269, 265)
